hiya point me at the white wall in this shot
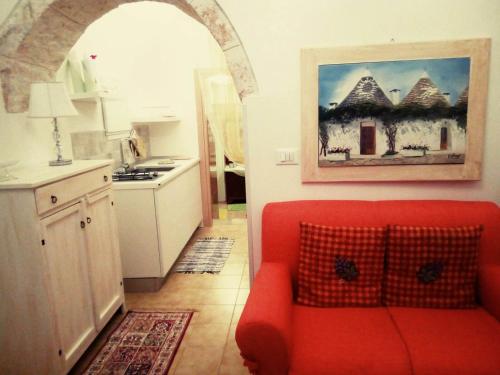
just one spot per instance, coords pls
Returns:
(152, 64)
(146, 53)
(273, 32)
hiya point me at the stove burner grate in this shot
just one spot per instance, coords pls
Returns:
(135, 176)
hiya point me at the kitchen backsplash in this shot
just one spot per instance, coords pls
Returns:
(94, 145)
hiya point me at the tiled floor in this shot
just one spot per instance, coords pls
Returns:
(208, 346)
(222, 211)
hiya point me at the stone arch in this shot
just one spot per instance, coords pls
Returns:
(38, 34)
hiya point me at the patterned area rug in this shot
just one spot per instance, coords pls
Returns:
(144, 343)
(207, 255)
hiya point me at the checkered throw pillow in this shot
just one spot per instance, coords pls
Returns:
(340, 266)
(432, 266)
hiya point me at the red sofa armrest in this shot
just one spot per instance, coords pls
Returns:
(489, 284)
(264, 330)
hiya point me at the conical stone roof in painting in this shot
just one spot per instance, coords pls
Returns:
(425, 93)
(366, 90)
(463, 98)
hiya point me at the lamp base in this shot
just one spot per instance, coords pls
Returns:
(55, 163)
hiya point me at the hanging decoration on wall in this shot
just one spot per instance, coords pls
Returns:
(394, 112)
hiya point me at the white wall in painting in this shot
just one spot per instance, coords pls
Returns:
(429, 133)
(416, 132)
(348, 135)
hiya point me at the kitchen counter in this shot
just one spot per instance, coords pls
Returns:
(38, 175)
(156, 218)
(181, 166)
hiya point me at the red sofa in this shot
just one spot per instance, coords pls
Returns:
(277, 336)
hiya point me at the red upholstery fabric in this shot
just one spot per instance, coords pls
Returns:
(450, 342)
(489, 281)
(346, 341)
(265, 327)
(362, 340)
(340, 266)
(280, 223)
(431, 266)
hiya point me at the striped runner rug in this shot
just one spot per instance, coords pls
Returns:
(207, 255)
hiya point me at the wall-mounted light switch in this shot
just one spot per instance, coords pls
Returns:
(287, 156)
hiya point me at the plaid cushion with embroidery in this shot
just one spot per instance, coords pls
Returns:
(432, 266)
(340, 266)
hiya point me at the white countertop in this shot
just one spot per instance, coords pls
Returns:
(33, 176)
(181, 166)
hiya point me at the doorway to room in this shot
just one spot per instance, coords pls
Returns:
(220, 126)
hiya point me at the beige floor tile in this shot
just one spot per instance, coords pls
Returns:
(204, 281)
(246, 271)
(242, 296)
(238, 309)
(206, 335)
(233, 269)
(237, 258)
(226, 281)
(232, 369)
(213, 314)
(245, 281)
(232, 363)
(179, 281)
(219, 296)
(182, 297)
(176, 360)
(199, 361)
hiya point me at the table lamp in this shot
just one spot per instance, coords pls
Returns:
(51, 100)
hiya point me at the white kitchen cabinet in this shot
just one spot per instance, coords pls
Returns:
(103, 256)
(60, 278)
(178, 214)
(155, 221)
(67, 274)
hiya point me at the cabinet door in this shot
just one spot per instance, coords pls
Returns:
(67, 278)
(104, 256)
(178, 211)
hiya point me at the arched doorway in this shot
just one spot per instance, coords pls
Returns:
(37, 36)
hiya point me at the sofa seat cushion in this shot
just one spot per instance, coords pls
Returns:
(450, 342)
(346, 341)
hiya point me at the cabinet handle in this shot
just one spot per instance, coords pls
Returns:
(82, 224)
(105, 178)
(89, 220)
(53, 199)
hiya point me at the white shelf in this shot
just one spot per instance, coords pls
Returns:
(91, 96)
(156, 120)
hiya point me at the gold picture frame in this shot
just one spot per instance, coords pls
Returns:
(439, 164)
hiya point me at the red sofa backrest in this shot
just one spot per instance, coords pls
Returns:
(280, 222)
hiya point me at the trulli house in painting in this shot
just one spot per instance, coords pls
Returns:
(371, 127)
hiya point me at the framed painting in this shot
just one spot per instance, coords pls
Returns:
(395, 112)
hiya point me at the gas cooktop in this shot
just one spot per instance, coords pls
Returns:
(135, 175)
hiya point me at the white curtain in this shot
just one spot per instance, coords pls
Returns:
(223, 110)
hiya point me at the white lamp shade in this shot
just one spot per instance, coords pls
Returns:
(50, 99)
